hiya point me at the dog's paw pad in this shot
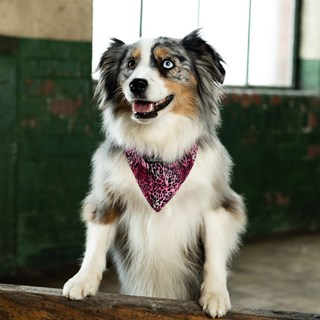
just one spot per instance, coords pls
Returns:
(80, 286)
(215, 304)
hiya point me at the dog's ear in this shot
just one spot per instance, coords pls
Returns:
(201, 52)
(109, 68)
(112, 51)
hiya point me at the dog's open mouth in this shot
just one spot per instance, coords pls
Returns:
(147, 109)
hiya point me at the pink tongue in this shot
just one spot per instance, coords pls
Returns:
(140, 106)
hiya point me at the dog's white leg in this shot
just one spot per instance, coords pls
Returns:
(86, 281)
(221, 229)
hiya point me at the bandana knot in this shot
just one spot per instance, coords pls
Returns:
(159, 181)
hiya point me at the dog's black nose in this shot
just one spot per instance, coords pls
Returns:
(138, 85)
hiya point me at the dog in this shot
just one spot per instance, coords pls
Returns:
(160, 197)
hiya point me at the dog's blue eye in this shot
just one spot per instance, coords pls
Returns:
(167, 64)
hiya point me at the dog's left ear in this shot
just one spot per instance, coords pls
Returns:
(201, 51)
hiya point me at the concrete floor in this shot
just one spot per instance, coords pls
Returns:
(280, 273)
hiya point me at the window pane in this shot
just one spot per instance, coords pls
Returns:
(172, 18)
(271, 43)
(225, 24)
(113, 19)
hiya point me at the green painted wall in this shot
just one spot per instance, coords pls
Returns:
(310, 75)
(48, 129)
(275, 143)
(8, 86)
(309, 46)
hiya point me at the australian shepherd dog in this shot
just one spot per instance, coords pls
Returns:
(160, 198)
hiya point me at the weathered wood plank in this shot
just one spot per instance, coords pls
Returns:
(33, 303)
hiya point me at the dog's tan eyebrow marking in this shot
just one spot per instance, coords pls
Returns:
(136, 53)
(167, 50)
(161, 52)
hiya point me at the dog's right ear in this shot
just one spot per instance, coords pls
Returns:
(202, 53)
(109, 68)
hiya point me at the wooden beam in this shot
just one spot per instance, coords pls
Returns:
(33, 303)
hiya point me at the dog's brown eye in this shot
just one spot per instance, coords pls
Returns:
(131, 64)
(167, 64)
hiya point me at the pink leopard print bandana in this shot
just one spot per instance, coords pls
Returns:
(159, 181)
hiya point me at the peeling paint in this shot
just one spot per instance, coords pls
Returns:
(278, 198)
(257, 99)
(268, 198)
(29, 82)
(313, 151)
(275, 100)
(281, 199)
(235, 97)
(246, 100)
(315, 102)
(313, 120)
(251, 138)
(30, 122)
(65, 107)
(46, 88)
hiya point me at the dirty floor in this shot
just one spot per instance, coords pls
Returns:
(279, 273)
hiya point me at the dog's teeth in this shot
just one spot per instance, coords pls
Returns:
(149, 109)
(160, 102)
(143, 107)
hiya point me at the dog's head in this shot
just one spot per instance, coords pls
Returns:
(151, 78)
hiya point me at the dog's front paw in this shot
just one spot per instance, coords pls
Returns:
(80, 286)
(216, 302)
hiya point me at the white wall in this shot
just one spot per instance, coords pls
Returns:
(310, 30)
(47, 19)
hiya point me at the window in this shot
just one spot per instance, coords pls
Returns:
(254, 37)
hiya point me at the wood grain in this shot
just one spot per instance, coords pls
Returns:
(33, 303)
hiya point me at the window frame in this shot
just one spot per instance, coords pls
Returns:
(295, 54)
(295, 75)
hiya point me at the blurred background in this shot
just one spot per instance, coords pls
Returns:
(49, 127)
